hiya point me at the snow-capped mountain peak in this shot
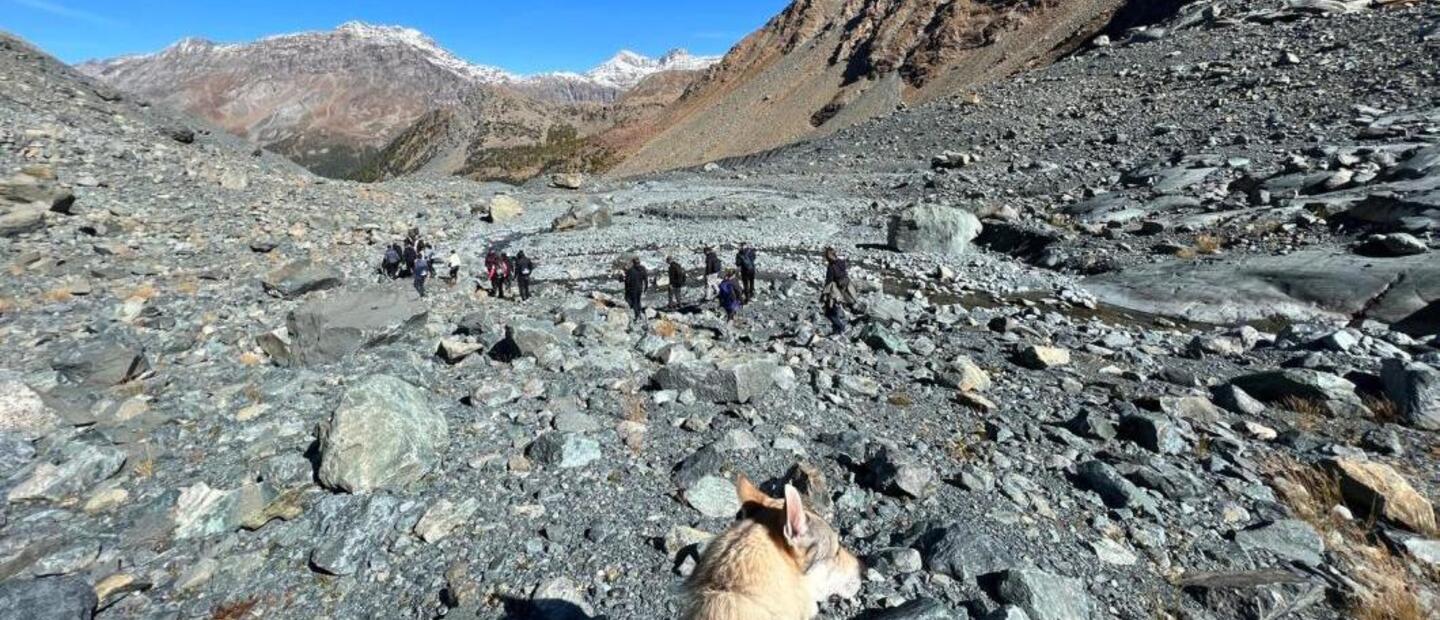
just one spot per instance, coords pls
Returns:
(627, 68)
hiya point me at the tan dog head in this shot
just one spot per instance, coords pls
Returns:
(829, 569)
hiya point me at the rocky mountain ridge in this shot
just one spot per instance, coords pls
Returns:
(330, 100)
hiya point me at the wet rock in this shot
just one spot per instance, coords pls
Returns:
(713, 497)
(933, 228)
(1044, 596)
(101, 364)
(300, 277)
(384, 434)
(1414, 388)
(1376, 488)
(564, 450)
(1038, 357)
(47, 598)
(1290, 539)
(326, 331)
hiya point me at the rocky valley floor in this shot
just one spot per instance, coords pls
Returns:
(1188, 369)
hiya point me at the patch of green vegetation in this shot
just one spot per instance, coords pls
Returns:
(563, 150)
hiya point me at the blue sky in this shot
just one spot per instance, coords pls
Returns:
(522, 36)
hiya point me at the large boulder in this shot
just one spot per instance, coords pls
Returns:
(933, 228)
(582, 217)
(328, 330)
(101, 364)
(567, 180)
(965, 551)
(504, 207)
(384, 434)
(300, 277)
(1376, 489)
(732, 380)
(1044, 596)
(1291, 386)
(1415, 389)
(26, 201)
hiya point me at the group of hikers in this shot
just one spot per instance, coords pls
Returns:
(734, 287)
(415, 258)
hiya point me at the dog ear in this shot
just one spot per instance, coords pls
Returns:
(749, 493)
(797, 522)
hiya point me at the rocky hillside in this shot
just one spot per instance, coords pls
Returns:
(1146, 333)
(332, 100)
(822, 65)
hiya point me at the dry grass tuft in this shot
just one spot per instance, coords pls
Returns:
(234, 611)
(58, 295)
(1308, 413)
(1387, 590)
(665, 328)
(1186, 253)
(1209, 244)
(251, 358)
(189, 286)
(143, 292)
(145, 467)
(901, 399)
(632, 406)
(1386, 411)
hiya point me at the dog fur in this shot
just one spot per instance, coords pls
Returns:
(778, 562)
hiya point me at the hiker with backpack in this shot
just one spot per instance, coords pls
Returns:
(421, 272)
(838, 292)
(745, 261)
(712, 271)
(497, 271)
(637, 278)
(523, 267)
(677, 282)
(730, 295)
(390, 265)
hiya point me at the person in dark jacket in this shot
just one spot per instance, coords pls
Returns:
(407, 256)
(712, 271)
(636, 279)
(745, 261)
(523, 267)
(677, 282)
(729, 294)
(838, 293)
(391, 264)
(421, 271)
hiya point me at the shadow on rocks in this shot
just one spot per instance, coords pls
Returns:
(544, 609)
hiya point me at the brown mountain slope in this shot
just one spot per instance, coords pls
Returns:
(821, 65)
